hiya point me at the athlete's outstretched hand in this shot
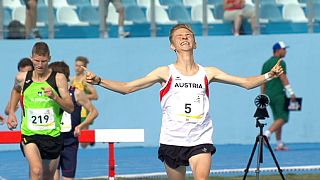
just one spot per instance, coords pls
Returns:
(91, 77)
(277, 70)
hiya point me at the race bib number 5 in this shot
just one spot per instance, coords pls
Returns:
(41, 119)
(192, 108)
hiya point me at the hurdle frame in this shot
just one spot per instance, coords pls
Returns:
(109, 136)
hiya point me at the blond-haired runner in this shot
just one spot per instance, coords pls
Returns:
(186, 132)
(79, 81)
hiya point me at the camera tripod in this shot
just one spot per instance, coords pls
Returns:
(260, 139)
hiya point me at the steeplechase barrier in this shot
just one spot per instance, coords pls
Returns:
(110, 136)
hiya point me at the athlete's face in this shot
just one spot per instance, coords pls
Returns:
(183, 39)
(77, 67)
(40, 63)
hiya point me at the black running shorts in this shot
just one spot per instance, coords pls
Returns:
(175, 156)
(49, 147)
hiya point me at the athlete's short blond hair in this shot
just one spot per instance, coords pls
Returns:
(179, 26)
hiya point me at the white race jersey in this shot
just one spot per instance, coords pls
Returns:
(185, 109)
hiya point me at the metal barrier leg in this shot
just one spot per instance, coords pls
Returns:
(111, 162)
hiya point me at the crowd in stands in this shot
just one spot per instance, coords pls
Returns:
(81, 18)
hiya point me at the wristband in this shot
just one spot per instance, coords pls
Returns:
(289, 89)
(267, 77)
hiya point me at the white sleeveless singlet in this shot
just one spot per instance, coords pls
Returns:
(185, 109)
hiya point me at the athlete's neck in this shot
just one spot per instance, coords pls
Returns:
(41, 76)
(186, 68)
(185, 61)
(79, 73)
(79, 78)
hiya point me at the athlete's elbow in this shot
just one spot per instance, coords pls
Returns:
(70, 108)
(250, 86)
(96, 97)
(95, 113)
(247, 86)
(127, 90)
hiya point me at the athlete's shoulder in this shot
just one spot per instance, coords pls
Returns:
(159, 73)
(162, 70)
(212, 72)
(60, 76)
(20, 76)
(22, 73)
(211, 69)
(159, 70)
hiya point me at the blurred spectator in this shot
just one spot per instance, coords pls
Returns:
(16, 30)
(236, 10)
(31, 19)
(120, 9)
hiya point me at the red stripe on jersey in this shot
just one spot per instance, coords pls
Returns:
(22, 104)
(206, 82)
(166, 89)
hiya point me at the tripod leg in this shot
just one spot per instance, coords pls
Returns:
(260, 155)
(273, 156)
(250, 159)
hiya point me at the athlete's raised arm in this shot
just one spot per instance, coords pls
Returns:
(158, 75)
(217, 75)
